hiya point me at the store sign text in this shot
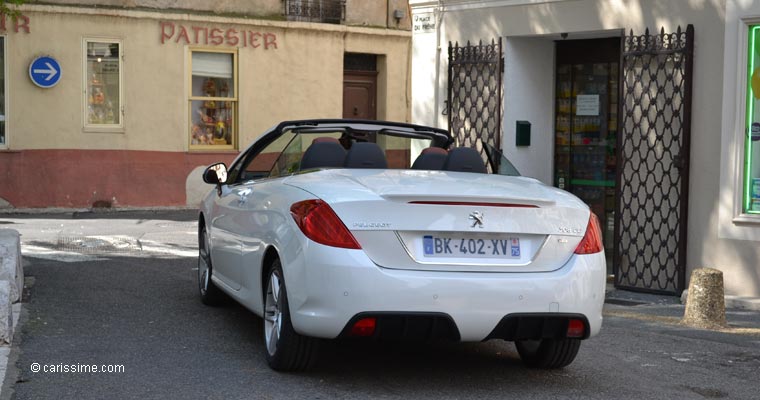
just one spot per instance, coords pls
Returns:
(423, 23)
(20, 24)
(198, 35)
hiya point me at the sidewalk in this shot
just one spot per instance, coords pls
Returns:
(742, 315)
(616, 296)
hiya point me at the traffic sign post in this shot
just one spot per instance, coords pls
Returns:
(45, 72)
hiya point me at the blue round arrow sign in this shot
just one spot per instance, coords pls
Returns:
(45, 72)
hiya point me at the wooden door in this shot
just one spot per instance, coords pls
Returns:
(360, 95)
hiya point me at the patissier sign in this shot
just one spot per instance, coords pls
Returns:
(215, 36)
(19, 24)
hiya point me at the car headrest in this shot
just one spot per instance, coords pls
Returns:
(436, 150)
(323, 139)
(323, 154)
(464, 159)
(365, 155)
(431, 158)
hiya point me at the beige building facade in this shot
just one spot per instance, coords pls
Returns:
(147, 95)
(544, 41)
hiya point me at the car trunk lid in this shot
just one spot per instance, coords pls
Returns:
(437, 220)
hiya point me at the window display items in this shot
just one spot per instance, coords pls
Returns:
(103, 83)
(100, 110)
(213, 117)
(212, 99)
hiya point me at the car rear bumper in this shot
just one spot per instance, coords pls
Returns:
(327, 287)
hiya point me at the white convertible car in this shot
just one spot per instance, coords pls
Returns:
(342, 228)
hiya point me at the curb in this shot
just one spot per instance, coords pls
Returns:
(733, 302)
(105, 211)
(12, 279)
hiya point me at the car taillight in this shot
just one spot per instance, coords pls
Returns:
(576, 328)
(320, 224)
(592, 240)
(364, 327)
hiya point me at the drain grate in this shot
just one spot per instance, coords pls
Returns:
(98, 244)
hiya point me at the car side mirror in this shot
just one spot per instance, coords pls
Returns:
(215, 174)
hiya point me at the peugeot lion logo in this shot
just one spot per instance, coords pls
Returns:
(477, 219)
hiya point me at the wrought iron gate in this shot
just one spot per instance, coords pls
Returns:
(654, 127)
(475, 94)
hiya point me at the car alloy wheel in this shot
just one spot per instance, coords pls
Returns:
(203, 273)
(273, 313)
(286, 349)
(210, 294)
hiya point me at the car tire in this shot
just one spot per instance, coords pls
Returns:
(210, 294)
(548, 353)
(286, 350)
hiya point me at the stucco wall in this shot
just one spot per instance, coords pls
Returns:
(529, 64)
(462, 21)
(258, 7)
(366, 12)
(358, 12)
(301, 78)
(300, 75)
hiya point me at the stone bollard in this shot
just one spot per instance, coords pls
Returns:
(6, 313)
(705, 304)
(11, 269)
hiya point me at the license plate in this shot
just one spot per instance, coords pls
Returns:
(443, 246)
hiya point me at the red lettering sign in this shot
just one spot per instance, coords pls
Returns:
(200, 35)
(197, 29)
(216, 37)
(232, 38)
(20, 24)
(166, 33)
(270, 40)
(183, 34)
(255, 39)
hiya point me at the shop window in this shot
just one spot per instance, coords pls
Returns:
(751, 181)
(3, 140)
(213, 100)
(103, 80)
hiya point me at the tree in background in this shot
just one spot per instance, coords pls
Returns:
(10, 8)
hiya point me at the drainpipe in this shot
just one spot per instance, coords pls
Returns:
(437, 96)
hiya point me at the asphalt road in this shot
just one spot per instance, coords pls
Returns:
(138, 308)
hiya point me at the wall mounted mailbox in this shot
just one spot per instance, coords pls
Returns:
(522, 133)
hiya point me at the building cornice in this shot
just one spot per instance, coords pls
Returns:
(460, 5)
(172, 15)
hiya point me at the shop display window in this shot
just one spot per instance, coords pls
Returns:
(213, 100)
(3, 140)
(751, 198)
(585, 147)
(103, 83)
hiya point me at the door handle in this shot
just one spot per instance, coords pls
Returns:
(356, 110)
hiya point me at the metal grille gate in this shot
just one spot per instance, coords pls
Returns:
(475, 94)
(653, 169)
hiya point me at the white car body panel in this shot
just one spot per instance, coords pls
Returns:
(327, 286)
(340, 286)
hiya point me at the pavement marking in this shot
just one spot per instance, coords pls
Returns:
(156, 247)
(81, 248)
(97, 243)
(55, 255)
